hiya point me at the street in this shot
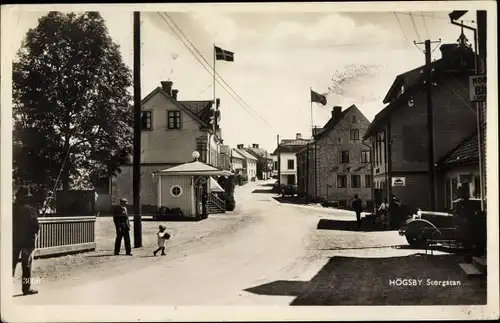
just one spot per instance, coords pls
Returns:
(273, 254)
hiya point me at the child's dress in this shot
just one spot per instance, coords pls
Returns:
(162, 239)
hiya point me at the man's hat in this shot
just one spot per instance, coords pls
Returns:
(123, 200)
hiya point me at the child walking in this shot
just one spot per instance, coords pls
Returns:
(163, 236)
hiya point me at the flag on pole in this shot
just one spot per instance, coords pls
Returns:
(316, 97)
(224, 55)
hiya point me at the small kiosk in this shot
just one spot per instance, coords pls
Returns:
(188, 187)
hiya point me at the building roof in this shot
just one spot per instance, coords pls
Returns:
(194, 168)
(333, 122)
(466, 152)
(245, 154)
(214, 186)
(236, 154)
(200, 108)
(258, 152)
(292, 146)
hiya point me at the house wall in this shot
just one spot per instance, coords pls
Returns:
(237, 163)
(311, 173)
(184, 201)
(214, 149)
(122, 184)
(284, 171)
(415, 193)
(275, 165)
(251, 168)
(453, 122)
(302, 173)
(329, 164)
(162, 145)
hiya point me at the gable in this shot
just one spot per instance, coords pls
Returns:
(158, 100)
(345, 119)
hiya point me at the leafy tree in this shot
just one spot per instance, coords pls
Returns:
(71, 102)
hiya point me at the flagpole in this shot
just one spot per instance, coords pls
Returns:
(214, 109)
(312, 122)
(215, 102)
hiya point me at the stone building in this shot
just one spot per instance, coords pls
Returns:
(337, 164)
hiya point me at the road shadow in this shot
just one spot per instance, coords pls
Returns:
(372, 281)
(264, 191)
(267, 185)
(343, 225)
(291, 200)
(19, 295)
(441, 248)
(280, 288)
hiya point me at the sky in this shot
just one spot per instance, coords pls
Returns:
(352, 57)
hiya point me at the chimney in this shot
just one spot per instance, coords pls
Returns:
(298, 135)
(255, 145)
(336, 112)
(167, 86)
(174, 94)
(447, 49)
(240, 146)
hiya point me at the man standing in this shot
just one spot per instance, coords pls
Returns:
(25, 227)
(357, 206)
(122, 225)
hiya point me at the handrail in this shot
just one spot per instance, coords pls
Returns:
(217, 201)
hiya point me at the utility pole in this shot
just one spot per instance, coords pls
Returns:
(430, 123)
(279, 162)
(481, 46)
(137, 132)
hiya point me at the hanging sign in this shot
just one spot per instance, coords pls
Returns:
(477, 88)
(399, 181)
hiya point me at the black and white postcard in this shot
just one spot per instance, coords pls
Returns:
(249, 161)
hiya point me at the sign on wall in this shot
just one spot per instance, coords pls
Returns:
(477, 88)
(399, 181)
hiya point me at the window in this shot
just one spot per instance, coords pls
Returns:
(174, 120)
(365, 157)
(368, 180)
(353, 119)
(275, 165)
(355, 181)
(344, 157)
(201, 147)
(176, 191)
(146, 120)
(354, 134)
(342, 181)
(291, 164)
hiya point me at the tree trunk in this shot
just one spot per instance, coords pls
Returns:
(65, 167)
